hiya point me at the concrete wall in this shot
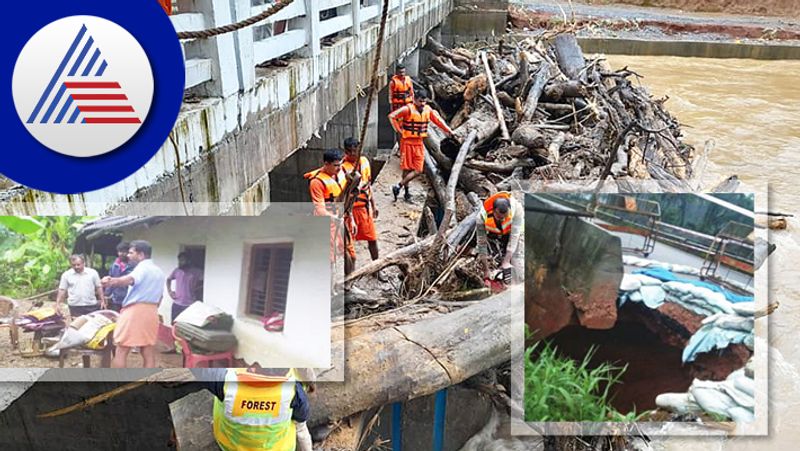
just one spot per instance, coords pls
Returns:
(467, 412)
(572, 271)
(305, 340)
(286, 180)
(473, 20)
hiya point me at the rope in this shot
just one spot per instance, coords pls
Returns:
(349, 198)
(279, 5)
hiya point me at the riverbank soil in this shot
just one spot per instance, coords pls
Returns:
(788, 8)
(649, 343)
(609, 19)
(652, 366)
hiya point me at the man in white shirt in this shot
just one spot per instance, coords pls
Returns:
(81, 288)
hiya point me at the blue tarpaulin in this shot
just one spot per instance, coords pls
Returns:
(665, 275)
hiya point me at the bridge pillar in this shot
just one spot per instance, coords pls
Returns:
(286, 180)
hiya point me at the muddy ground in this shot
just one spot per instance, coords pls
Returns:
(12, 358)
(633, 22)
(788, 8)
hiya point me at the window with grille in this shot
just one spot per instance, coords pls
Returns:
(268, 281)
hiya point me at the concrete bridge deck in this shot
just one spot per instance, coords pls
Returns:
(240, 120)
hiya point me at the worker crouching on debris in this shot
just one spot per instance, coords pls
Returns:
(326, 186)
(401, 88)
(364, 210)
(259, 409)
(499, 232)
(412, 121)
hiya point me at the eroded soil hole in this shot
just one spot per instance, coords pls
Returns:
(653, 366)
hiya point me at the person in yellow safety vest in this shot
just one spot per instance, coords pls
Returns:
(326, 186)
(401, 88)
(258, 409)
(364, 210)
(501, 227)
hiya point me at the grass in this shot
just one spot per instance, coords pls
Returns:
(561, 389)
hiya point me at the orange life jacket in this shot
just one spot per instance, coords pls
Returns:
(333, 186)
(488, 215)
(167, 5)
(416, 124)
(365, 185)
(400, 90)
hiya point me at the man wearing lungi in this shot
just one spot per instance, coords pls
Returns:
(137, 325)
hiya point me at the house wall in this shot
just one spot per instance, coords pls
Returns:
(305, 340)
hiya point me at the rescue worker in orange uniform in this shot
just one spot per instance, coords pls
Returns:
(401, 89)
(326, 186)
(364, 210)
(167, 5)
(411, 122)
(499, 233)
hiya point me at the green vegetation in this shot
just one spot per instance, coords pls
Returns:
(560, 389)
(34, 251)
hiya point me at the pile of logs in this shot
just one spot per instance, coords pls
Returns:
(537, 111)
(542, 111)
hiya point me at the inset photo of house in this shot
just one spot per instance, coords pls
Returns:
(643, 308)
(165, 291)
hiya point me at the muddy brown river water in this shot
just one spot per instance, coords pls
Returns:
(751, 109)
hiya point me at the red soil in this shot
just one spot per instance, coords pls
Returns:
(520, 18)
(788, 8)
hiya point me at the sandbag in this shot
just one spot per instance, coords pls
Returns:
(205, 315)
(203, 340)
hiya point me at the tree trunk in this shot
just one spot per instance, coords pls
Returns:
(532, 100)
(569, 56)
(483, 120)
(470, 179)
(436, 47)
(436, 178)
(444, 86)
(405, 362)
(498, 109)
(500, 168)
(555, 92)
(445, 65)
(528, 135)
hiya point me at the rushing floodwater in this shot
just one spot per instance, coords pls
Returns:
(751, 109)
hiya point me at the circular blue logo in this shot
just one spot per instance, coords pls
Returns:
(93, 91)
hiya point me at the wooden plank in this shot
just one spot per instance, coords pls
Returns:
(280, 45)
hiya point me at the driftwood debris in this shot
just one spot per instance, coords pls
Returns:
(563, 112)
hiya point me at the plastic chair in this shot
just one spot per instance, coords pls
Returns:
(192, 360)
(8, 311)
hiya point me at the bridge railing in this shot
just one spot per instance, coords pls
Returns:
(224, 64)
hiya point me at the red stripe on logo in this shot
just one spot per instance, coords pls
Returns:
(112, 120)
(91, 84)
(99, 97)
(104, 108)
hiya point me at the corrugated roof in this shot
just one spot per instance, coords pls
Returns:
(112, 224)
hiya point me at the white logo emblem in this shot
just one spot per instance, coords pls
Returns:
(82, 86)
